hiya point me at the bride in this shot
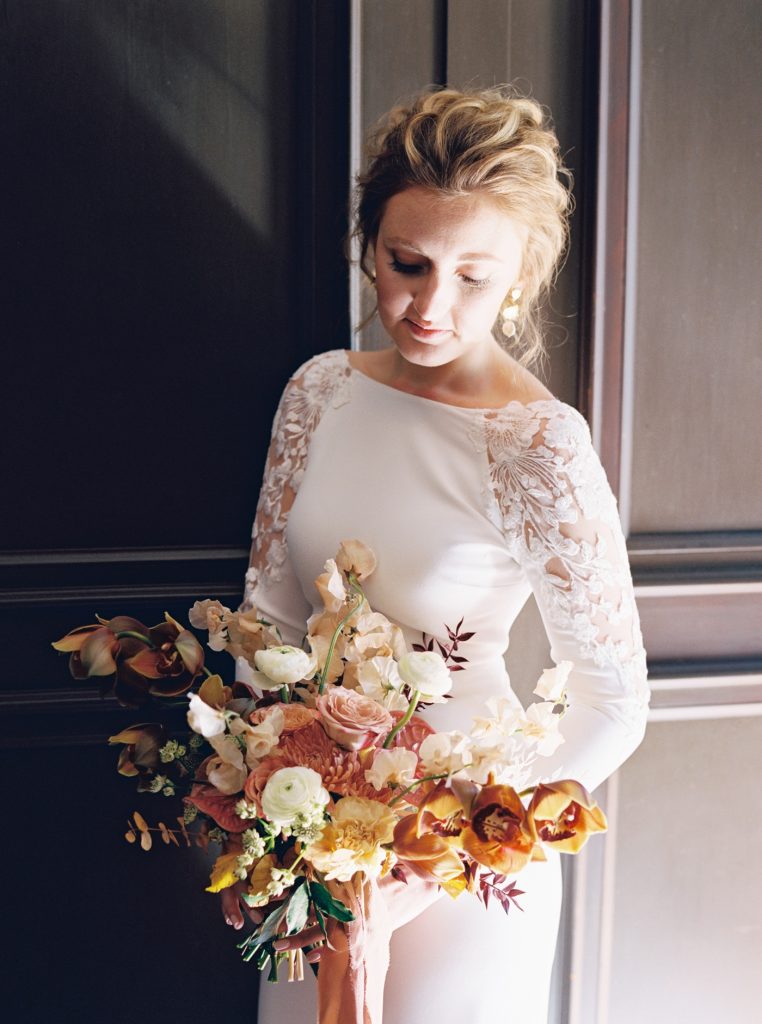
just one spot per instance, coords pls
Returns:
(474, 486)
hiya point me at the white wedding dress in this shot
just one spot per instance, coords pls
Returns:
(467, 510)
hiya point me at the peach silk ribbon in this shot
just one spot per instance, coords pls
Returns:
(354, 965)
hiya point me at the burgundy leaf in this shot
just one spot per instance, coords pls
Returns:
(465, 636)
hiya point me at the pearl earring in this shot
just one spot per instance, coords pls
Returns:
(510, 313)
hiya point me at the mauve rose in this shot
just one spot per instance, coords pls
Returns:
(351, 720)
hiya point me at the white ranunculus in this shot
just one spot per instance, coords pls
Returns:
(293, 791)
(282, 666)
(392, 766)
(426, 672)
(552, 682)
(445, 753)
(203, 719)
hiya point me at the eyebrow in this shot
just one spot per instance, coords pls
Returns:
(463, 256)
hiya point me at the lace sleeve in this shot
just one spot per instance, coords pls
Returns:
(271, 583)
(561, 522)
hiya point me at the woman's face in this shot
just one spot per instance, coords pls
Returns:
(444, 267)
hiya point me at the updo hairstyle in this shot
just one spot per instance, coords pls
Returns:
(490, 141)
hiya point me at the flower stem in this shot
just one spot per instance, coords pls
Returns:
(136, 636)
(404, 720)
(284, 694)
(358, 590)
(426, 778)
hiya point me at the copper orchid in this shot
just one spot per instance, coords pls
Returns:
(499, 835)
(428, 841)
(564, 815)
(161, 661)
(140, 753)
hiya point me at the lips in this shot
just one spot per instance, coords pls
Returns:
(427, 333)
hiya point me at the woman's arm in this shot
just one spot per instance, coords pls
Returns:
(562, 522)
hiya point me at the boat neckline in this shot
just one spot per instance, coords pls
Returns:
(514, 402)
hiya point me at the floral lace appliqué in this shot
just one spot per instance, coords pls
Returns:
(323, 381)
(548, 493)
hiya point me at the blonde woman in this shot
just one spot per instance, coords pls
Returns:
(474, 486)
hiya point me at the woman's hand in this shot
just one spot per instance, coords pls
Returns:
(399, 903)
(233, 907)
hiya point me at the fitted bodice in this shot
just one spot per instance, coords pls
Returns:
(467, 511)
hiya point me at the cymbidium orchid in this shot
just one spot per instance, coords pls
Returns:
(428, 841)
(157, 661)
(499, 834)
(564, 815)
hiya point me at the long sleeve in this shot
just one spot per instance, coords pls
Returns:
(561, 522)
(272, 585)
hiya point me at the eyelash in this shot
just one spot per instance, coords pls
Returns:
(414, 268)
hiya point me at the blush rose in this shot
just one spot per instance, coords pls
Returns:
(352, 720)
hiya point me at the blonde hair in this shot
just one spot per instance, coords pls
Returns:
(493, 142)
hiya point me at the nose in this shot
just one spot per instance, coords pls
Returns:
(431, 299)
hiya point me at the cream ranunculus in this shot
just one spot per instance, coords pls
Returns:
(293, 792)
(282, 666)
(353, 840)
(426, 672)
(203, 719)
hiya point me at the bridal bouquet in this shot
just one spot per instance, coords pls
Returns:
(314, 771)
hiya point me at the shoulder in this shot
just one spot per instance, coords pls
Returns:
(324, 365)
(544, 468)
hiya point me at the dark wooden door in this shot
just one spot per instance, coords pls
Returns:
(173, 204)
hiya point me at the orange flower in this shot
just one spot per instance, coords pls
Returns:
(564, 815)
(140, 753)
(500, 834)
(429, 840)
(161, 661)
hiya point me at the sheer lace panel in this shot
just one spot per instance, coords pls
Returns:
(549, 494)
(322, 381)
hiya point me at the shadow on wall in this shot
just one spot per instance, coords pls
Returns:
(149, 189)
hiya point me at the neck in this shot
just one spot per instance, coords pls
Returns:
(467, 377)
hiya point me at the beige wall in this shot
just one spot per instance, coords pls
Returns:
(655, 336)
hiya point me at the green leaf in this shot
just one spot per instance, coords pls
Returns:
(298, 910)
(266, 931)
(321, 920)
(323, 900)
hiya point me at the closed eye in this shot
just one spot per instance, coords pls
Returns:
(405, 268)
(418, 268)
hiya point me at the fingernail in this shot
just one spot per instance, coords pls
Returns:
(238, 924)
(280, 944)
(227, 920)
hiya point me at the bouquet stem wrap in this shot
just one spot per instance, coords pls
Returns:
(353, 969)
